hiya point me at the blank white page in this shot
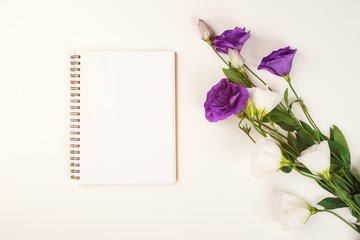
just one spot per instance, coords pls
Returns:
(127, 117)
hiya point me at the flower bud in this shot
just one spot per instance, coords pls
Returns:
(207, 34)
(237, 61)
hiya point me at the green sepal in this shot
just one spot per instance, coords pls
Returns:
(332, 203)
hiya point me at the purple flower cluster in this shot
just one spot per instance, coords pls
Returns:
(225, 99)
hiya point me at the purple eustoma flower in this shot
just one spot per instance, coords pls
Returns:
(224, 99)
(279, 62)
(234, 39)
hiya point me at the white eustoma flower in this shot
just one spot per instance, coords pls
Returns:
(237, 61)
(207, 34)
(294, 211)
(317, 159)
(266, 158)
(264, 100)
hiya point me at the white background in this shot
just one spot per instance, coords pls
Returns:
(215, 197)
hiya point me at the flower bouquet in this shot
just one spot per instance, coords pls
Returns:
(288, 144)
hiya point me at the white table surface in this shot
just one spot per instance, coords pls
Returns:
(215, 197)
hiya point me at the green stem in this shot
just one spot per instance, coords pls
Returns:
(317, 180)
(244, 76)
(227, 64)
(354, 175)
(251, 138)
(337, 215)
(263, 82)
(259, 130)
(344, 198)
(344, 181)
(280, 136)
(272, 130)
(306, 175)
(326, 187)
(247, 133)
(311, 121)
(257, 76)
(294, 156)
(296, 165)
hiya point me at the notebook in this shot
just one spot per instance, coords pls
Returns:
(122, 117)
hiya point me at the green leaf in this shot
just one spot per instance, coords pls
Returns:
(341, 152)
(286, 127)
(307, 128)
(341, 186)
(332, 203)
(354, 213)
(234, 76)
(324, 137)
(322, 185)
(286, 97)
(316, 137)
(283, 119)
(332, 134)
(291, 140)
(357, 199)
(340, 139)
(303, 140)
(335, 167)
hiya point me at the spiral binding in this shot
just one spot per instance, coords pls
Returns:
(75, 116)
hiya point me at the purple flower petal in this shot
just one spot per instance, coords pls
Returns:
(279, 62)
(234, 39)
(225, 99)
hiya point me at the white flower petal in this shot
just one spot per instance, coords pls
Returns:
(264, 100)
(316, 158)
(266, 158)
(294, 211)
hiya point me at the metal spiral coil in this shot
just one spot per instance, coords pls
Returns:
(75, 116)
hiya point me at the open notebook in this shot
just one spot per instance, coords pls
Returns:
(122, 126)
